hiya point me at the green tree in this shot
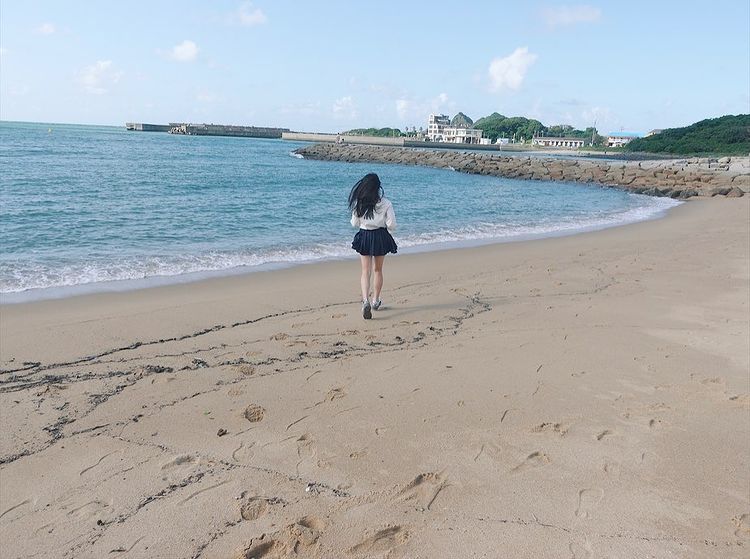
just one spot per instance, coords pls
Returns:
(726, 135)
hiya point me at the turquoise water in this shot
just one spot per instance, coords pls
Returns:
(90, 207)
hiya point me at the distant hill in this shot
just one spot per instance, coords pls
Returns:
(726, 135)
(498, 126)
(383, 132)
(461, 120)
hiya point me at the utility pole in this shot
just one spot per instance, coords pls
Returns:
(593, 133)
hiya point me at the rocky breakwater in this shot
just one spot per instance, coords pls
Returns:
(675, 178)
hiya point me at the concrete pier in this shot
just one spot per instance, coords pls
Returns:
(143, 127)
(227, 130)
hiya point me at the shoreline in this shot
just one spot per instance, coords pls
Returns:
(569, 393)
(134, 284)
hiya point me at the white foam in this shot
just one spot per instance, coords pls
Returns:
(25, 282)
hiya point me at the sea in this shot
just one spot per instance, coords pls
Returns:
(97, 208)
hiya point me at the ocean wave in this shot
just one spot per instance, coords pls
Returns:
(297, 155)
(22, 276)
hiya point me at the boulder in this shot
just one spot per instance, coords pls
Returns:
(720, 191)
(735, 193)
(688, 193)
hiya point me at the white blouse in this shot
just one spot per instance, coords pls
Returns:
(383, 216)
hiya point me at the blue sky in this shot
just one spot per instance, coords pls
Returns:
(333, 65)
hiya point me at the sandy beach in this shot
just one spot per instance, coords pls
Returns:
(581, 396)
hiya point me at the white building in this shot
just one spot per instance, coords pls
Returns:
(620, 139)
(462, 135)
(558, 142)
(654, 132)
(439, 129)
(436, 125)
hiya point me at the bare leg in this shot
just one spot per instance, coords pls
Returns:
(364, 281)
(378, 261)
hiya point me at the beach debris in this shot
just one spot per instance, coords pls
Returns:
(221, 432)
(199, 364)
(156, 369)
(254, 413)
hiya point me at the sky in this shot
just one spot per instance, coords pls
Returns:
(333, 65)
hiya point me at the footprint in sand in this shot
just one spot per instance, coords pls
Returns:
(357, 454)
(179, 467)
(306, 451)
(559, 428)
(294, 540)
(334, 394)
(254, 413)
(423, 490)
(246, 369)
(587, 501)
(178, 460)
(266, 549)
(90, 508)
(742, 526)
(580, 551)
(611, 468)
(384, 540)
(243, 453)
(253, 508)
(533, 460)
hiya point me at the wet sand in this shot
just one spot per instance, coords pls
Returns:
(584, 396)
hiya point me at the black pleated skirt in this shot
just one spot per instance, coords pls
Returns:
(375, 242)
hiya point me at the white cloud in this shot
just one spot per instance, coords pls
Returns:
(301, 109)
(249, 16)
(344, 108)
(3, 52)
(509, 72)
(186, 51)
(412, 111)
(97, 78)
(570, 15)
(45, 29)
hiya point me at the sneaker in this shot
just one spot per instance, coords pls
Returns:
(376, 304)
(366, 313)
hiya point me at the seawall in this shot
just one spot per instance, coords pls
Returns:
(348, 138)
(226, 130)
(675, 178)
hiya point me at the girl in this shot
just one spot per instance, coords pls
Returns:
(374, 216)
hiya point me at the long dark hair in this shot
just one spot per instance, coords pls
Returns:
(365, 194)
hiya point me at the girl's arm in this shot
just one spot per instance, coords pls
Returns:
(356, 221)
(390, 218)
